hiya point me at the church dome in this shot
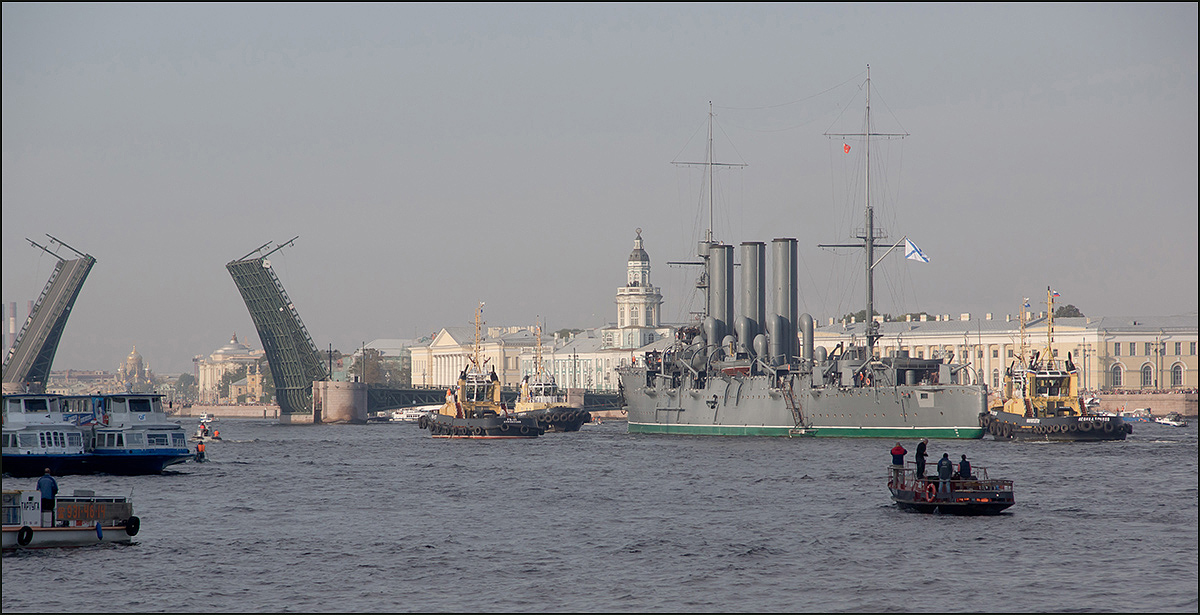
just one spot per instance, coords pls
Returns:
(638, 255)
(233, 348)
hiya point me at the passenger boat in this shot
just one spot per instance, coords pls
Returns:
(1137, 415)
(78, 520)
(973, 495)
(474, 408)
(1041, 398)
(110, 434)
(541, 400)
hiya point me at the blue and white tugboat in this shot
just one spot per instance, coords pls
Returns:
(474, 409)
(974, 494)
(78, 520)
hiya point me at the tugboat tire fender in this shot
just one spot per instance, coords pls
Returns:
(1073, 427)
(1085, 427)
(24, 535)
(504, 428)
(476, 430)
(1108, 427)
(132, 525)
(524, 430)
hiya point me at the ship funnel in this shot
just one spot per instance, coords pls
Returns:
(806, 333)
(720, 290)
(784, 275)
(754, 271)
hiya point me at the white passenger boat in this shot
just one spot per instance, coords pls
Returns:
(78, 520)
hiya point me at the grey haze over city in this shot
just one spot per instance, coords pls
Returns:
(430, 157)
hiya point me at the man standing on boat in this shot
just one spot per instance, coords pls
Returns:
(49, 488)
(945, 471)
(921, 455)
(898, 453)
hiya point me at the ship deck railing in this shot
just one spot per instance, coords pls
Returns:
(905, 478)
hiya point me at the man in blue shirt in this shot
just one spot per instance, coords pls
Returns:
(49, 488)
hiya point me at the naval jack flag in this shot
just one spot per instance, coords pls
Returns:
(912, 252)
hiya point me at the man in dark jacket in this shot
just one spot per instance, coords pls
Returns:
(921, 455)
(964, 468)
(945, 471)
(49, 488)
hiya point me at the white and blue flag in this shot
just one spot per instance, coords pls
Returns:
(911, 251)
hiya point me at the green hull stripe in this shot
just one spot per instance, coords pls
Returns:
(966, 433)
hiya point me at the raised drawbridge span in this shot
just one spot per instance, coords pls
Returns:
(27, 364)
(294, 359)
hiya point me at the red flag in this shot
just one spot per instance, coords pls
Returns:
(846, 147)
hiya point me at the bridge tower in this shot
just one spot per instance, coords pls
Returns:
(294, 359)
(27, 364)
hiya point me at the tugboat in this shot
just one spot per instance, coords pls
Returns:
(78, 520)
(1041, 398)
(974, 494)
(541, 400)
(474, 409)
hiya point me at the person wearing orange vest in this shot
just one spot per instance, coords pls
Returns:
(200, 452)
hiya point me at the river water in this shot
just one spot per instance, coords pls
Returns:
(384, 518)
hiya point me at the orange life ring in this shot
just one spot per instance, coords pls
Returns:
(930, 492)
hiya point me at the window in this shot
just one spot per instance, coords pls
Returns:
(633, 316)
(1147, 376)
(995, 353)
(1192, 348)
(1117, 349)
(1010, 353)
(157, 439)
(995, 378)
(1148, 353)
(1116, 375)
(1178, 348)
(1132, 348)
(1177, 374)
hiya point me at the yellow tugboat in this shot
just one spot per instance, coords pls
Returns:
(541, 400)
(1041, 398)
(474, 409)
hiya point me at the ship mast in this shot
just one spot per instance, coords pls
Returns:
(478, 337)
(1049, 329)
(710, 163)
(868, 235)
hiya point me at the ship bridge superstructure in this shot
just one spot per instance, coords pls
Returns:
(27, 364)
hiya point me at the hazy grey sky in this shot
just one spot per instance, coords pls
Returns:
(434, 156)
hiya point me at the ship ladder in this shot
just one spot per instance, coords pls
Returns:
(789, 397)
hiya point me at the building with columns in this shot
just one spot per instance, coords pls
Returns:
(1113, 354)
(230, 357)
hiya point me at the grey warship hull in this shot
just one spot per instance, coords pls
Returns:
(758, 406)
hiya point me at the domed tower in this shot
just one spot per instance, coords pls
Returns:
(639, 303)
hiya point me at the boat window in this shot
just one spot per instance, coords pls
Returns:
(134, 439)
(36, 405)
(177, 439)
(139, 405)
(120, 441)
(27, 440)
(6, 438)
(60, 439)
(157, 439)
(14, 405)
(42, 439)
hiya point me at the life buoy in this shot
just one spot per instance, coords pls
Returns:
(930, 492)
(132, 525)
(24, 535)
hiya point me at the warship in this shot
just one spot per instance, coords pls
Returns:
(760, 373)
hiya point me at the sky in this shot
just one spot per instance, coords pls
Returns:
(432, 157)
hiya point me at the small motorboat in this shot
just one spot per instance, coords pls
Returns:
(975, 494)
(78, 520)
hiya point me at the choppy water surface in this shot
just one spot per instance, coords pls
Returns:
(383, 518)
